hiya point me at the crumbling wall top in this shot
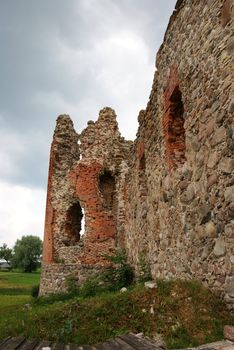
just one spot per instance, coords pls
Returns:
(65, 147)
(102, 139)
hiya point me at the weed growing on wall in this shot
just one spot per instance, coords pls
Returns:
(71, 283)
(144, 269)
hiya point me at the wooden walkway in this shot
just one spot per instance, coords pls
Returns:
(124, 342)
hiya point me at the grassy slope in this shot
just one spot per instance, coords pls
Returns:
(183, 312)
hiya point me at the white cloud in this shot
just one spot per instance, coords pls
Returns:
(22, 212)
(11, 147)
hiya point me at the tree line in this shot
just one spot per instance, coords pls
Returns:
(26, 253)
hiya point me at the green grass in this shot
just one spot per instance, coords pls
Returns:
(15, 290)
(17, 283)
(9, 302)
(19, 279)
(184, 313)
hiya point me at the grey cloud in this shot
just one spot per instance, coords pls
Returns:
(37, 84)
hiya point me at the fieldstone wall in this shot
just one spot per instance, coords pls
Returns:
(183, 217)
(169, 196)
(54, 276)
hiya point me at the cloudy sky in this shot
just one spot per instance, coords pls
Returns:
(73, 57)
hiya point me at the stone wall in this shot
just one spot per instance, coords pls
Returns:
(183, 220)
(170, 194)
(54, 277)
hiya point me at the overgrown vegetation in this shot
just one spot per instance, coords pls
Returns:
(144, 269)
(183, 312)
(118, 275)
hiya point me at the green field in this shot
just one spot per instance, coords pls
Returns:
(15, 291)
(17, 283)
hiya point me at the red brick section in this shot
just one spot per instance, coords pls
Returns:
(140, 150)
(173, 123)
(100, 223)
(226, 14)
(48, 235)
(141, 155)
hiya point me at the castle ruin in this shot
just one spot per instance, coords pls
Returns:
(169, 194)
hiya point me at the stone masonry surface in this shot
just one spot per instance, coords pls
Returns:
(169, 194)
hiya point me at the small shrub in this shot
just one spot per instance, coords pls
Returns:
(71, 283)
(92, 286)
(120, 274)
(35, 291)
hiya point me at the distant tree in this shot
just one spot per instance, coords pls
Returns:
(5, 253)
(27, 253)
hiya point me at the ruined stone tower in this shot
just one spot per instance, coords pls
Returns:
(85, 188)
(170, 194)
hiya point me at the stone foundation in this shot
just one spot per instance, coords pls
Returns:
(54, 276)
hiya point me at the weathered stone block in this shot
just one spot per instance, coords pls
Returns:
(229, 194)
(226, 14)
(220, 247)
(226, 165)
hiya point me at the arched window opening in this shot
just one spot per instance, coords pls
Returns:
(74, 223)
(174, 130)
(107, 189)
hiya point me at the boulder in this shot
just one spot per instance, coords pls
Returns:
(150, 285)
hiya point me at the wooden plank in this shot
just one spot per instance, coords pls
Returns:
(57, 346)
(123, 345)
(29, 345)
(12, 343)
(4, 340)
(110, 345)
(136, 342)
(42, 345)
(116, 344)
(79, 347)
